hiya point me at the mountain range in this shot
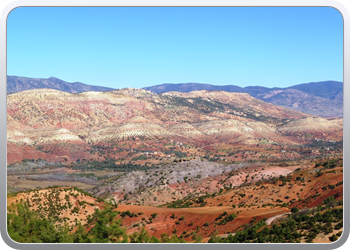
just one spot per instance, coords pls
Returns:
(46, 121)
(316, 98)
(205, 163)
(17, 84)
(325, 89)
(323, 99)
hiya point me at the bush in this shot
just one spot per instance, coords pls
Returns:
(142, 237)
(294, 210)
(338, 226)
(229, 218)
(330, 201)
(333, 237)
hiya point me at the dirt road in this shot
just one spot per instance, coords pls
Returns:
(271, 219)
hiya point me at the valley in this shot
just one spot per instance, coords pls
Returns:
(205, 217)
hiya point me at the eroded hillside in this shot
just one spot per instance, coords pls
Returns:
(311, 194)
(124, 124)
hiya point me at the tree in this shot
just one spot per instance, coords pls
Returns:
(27, 226)
(197, 238)
(333, 237)
(294, 210)
(106, 230)
(143, 237)
(81, 236)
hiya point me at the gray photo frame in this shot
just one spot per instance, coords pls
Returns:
(256, 3)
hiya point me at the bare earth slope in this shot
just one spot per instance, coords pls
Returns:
(304, 187)
(48, 121)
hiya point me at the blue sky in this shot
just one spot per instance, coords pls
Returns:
(138, 47)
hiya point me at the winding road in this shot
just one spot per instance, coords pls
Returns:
(271, 219)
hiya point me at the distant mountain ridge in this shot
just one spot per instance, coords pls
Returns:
(315, 98)
(326, 89)
(17, 84)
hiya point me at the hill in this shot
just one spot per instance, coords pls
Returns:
(17, 84)
(315, 98)
(306, 202)
(52, 124)
(202, 166)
